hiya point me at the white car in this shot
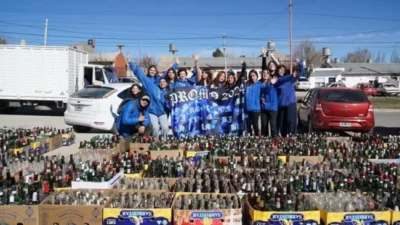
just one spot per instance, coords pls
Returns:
(303, 84)
(387, 89)
(95, 107)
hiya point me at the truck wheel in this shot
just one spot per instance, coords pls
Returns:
(81, 129)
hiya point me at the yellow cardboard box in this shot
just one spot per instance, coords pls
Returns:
(287, 218)
(358, 218)
(162, 216)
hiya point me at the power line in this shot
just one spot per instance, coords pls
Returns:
(115, 38)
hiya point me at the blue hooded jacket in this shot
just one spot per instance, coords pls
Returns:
(156, 105)
(129, 118)
(253, 93)
(165, 102)
(187, 83)
(285, 90)
(156, 79)
(268, 93)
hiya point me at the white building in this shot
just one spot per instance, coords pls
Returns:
(321, 76)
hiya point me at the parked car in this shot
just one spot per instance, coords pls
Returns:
(344, 109)
(95, 107)
(303, 84)
(387, 89)
(367, 88)
(335, 84)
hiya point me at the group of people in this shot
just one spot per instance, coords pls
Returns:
(146, 110)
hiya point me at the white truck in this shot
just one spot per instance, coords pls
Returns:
(40, 75)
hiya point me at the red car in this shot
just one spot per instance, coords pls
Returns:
(367, 88)
(345, 109)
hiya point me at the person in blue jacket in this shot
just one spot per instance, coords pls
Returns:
(164, 88)
(269, 101)
(183, 81)
(152, 72)
(287, 102)
(252, 100)
(158, 115)
(134, 118)
(171, 77)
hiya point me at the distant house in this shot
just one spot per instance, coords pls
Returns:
(115, 59)
(354, 73)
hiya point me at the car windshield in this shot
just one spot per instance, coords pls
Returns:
(345, 96)
(303, 79)
(390, 85)
(92, 92)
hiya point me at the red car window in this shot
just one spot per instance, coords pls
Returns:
(345, 96)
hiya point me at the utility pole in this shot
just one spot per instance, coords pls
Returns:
(45, 32)
(291, 35)
(223, 39)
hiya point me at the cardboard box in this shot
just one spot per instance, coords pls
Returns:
(26, 149)
(310, 159)
(383, 217)
(169, 153)
(257, 217)
(54, 142)
(196, 155)
(171, 182)
(138, 146)
(97, 185)
(395, 219)
(207, 217)
(27, 215)
(118, 216)
(71, 214)
(68, 139)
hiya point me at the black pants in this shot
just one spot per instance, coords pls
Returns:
(147, 132)
(268, 118)
(287, 120)
(252, 120)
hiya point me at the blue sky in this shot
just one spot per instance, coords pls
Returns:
(148, 26)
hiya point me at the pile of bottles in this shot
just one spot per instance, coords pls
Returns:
(342, 202)
(80, 197)
(143, 184)
(99, 143)
(142, 200)
(29, 190)
(207, 202)
(172, 167)
(205, 181)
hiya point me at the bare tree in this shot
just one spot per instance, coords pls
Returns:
(358, 56)
(306, 50)
(380, 57)
(146, 63)
(395, 57)
(2, 40)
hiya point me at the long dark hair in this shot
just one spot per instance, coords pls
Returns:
(280, 67)
(216, 80)
(250, 82)
(208, 80)
(227, 85)
(273, 73)
(152, 66)
(168, 79)
(130, 96)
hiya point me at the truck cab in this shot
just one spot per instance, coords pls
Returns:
(92, 75)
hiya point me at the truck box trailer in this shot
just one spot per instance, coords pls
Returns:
(44, 74)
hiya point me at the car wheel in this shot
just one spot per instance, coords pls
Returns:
(81, 129)
(310, 126)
